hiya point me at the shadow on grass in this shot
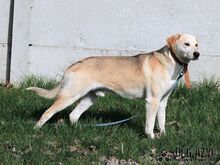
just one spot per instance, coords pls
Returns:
(115, 115)
(55, 118)
(90, 118)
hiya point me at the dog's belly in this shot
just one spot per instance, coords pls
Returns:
(132, 93)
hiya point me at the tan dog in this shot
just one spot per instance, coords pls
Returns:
(147, 76)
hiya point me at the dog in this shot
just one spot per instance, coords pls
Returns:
(149, 76)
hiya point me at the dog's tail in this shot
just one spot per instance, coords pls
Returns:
(49, 94)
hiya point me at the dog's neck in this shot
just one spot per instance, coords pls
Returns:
(169, 53)
(176, 58)
(180, 64)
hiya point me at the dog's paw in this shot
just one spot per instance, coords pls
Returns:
(150, 135)
(30, 88)
(73, 118)
(37, 126)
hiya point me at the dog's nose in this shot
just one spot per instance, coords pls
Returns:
(196, 54)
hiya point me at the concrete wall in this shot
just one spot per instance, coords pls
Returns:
(4, 19)
(50, 35)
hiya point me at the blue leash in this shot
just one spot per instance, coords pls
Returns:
(111, 123)
(125, 120)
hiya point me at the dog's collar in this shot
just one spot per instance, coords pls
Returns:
(176, 58)
(185, 68)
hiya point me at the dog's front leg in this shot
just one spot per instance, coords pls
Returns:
(161, 114)
(151, 112)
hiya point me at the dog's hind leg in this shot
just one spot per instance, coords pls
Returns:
(73, 88)
(86, 102)
(61, 103)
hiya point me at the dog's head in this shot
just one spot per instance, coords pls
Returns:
(184, 46)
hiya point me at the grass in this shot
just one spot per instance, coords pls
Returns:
(193, 123)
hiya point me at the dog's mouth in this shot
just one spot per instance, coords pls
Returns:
(187, 58)
(194, 59)
(184, 59)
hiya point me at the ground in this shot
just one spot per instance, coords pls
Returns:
(192, 129)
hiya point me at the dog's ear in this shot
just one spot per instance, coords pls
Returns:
(172, 40)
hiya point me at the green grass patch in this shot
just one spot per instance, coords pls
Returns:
(193, 124)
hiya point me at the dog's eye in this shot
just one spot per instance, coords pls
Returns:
(187, 44)
(196, 45)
